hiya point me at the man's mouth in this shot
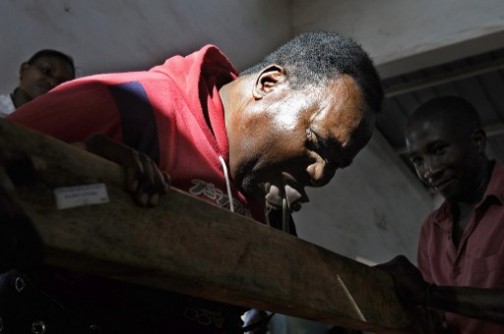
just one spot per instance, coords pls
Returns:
(293, 195)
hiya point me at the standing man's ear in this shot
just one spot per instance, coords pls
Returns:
(479, 139)
(267, 79)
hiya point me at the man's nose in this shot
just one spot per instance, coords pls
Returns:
(52, 81)
(430, 169)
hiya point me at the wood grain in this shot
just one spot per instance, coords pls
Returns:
(189, 246)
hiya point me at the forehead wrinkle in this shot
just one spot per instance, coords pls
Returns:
(346, 115)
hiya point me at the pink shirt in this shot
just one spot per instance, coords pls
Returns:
(479, 260)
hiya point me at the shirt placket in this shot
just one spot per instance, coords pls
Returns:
(460, 258)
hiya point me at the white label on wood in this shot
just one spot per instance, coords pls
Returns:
(71, 197)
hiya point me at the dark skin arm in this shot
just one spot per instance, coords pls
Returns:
(473, 302)
(143, 180)
(479, 303)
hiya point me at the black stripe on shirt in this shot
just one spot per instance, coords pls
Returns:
(137, 118)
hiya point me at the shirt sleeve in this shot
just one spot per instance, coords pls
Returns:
(72, 111)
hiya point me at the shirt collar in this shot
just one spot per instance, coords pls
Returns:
(495, 188)
(443, 215)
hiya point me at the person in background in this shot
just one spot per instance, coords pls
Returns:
(461, 248)
(45, 70)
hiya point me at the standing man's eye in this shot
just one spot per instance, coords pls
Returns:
(439, 150)
(415, 160)
(47, 71)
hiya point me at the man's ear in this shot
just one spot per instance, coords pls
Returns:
(267, 79)
(479, 140)
(22, 69)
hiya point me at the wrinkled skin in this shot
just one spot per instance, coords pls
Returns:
(282, 139)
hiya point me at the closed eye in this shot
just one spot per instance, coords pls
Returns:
(317, 144)
(46, 70)
(312, 140)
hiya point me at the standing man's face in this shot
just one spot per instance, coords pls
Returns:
(289, 139)
(445, 158)
(43, 75)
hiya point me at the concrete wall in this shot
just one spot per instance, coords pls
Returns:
(119, 35)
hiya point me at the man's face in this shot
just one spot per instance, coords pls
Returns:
(43, 75)
(445, 158)
(290, 139)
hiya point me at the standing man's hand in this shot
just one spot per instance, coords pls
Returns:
(414, 291)
(144, 180)
(409, 283)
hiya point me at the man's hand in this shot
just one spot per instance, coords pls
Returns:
(144, 180)
(409, 283)
(412, 290)
(256, 321)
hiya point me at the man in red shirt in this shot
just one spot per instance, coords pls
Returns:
(250, 142)
(460, 249)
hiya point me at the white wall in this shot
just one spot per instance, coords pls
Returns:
(372, 209)
(404, 35)
(119, 35)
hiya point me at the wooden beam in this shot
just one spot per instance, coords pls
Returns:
(193, 247)
(444, 78)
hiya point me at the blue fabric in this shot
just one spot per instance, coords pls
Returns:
(137, 118)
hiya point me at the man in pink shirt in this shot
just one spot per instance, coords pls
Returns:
(461, 249)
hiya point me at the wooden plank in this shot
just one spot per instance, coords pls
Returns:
(193, 247)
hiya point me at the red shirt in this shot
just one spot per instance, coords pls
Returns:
(173, 113)
(479, 259)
